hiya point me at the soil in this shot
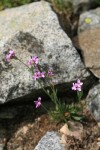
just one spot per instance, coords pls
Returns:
(26, 129)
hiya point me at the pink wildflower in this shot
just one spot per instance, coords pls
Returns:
(38, 75)
(10, 55)
(79, 82)
(34, 60)
(38, 102)
(74, 87)
(50, 73)
(30, 62)
(77, 86)
(42, 75)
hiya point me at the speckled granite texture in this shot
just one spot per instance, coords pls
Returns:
(50, 141)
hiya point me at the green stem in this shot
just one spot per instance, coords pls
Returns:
(44, 90)
(54, 98)
(22, 62)
(44, 108)
(55, 95)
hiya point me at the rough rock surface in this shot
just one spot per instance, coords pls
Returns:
(93, 101)
(34, 30)
(89, 43)
(83, 5)
(50, 141)
(89, 19)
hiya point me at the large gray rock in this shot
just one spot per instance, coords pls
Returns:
(34, 30)
(50, 141)
(88, 39)
(89, 43)
(93, 101)
(89, 19)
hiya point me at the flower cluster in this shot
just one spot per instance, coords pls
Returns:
(34, 64)
(10, 55)
(34, 60)
(38, 102)
(77, 86)
(38, 73)
(50, 73)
